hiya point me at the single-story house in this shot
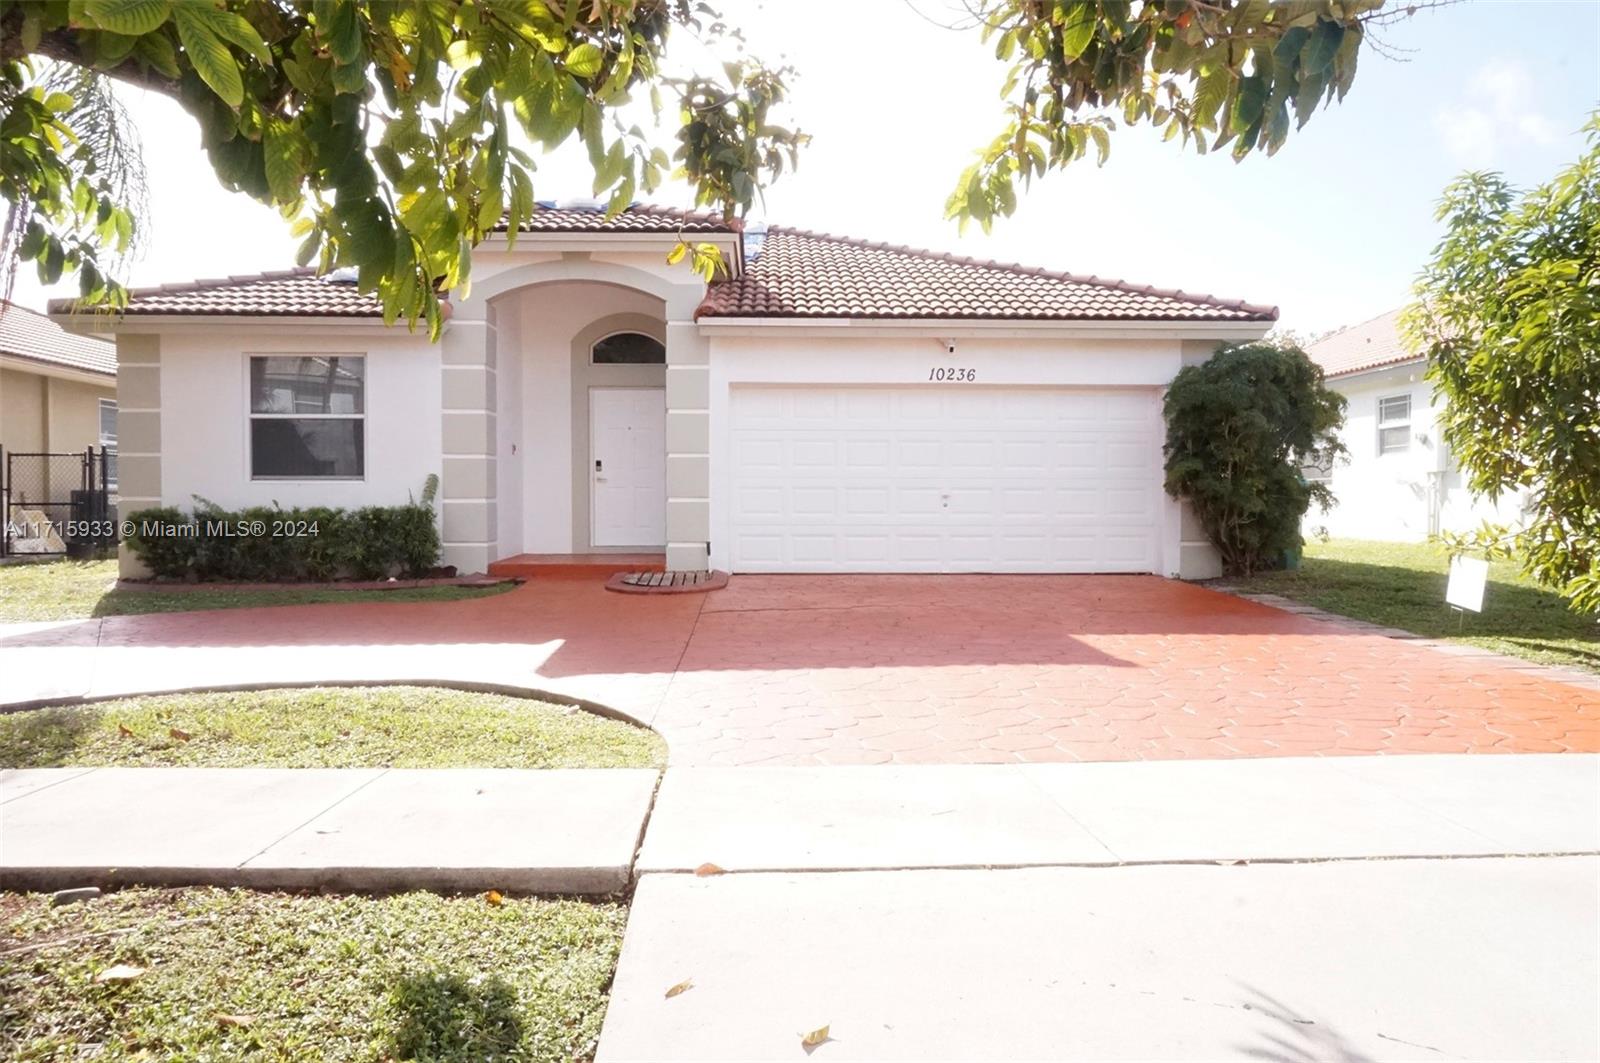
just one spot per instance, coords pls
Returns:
(1400, 482)
(58, 390)
(830, 405)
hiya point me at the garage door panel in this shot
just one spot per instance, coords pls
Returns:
(943, 478)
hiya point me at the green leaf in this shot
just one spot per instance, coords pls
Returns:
(157, 51)
(210, 56)
(584, 60)
(132, 18)
(235, 30)
(1322, 47)
(1252, 96)
(283, 157)
(1102, 144)
(1078, 30)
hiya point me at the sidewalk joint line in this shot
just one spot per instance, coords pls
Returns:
(1113, 865)
(81, 772)
(1021, 769)
(314, 817)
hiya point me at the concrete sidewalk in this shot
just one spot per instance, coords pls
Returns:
(551, 831)
(964, 816)
(1488, 959)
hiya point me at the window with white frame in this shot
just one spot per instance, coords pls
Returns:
(1394, 424)
(108, 439)
(307, 417)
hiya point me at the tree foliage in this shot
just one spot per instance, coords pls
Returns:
(1212, 73)
(388, 131)
(72, 176)
(384, 128)
(1239, 428)
(1508, 313)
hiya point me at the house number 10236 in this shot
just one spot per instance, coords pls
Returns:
(956, 376)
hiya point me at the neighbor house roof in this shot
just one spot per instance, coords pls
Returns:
(28, 334)
(1370, 345)
(815, 275)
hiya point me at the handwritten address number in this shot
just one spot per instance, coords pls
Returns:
(957, 376)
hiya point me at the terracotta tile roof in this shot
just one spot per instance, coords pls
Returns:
(807, 274)
(278, 293)
(639, 218)
(1369, 345)
(28, 334)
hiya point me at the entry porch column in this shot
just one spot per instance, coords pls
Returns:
(688, 438)
(470, 519)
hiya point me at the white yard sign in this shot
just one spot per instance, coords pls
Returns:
(1467, 578)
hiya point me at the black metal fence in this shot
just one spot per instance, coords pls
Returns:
(56, 504)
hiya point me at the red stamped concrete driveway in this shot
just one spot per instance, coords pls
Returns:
(964, 669)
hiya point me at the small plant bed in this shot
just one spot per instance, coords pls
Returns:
(234, 974)
(79, 590)
(1402, 585)
(325, 727)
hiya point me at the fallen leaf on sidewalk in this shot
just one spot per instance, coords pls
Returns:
(182, 736)
(122, 972)
(125, 731)
(810, 1041)
(682, 987)
(708, 868)
(235, 1020)
(495, 897)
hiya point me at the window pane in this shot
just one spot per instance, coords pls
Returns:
(307, 385)
(629, 348)
(1395, 408)
(283, 446)
(1393, 440)
(108, 422)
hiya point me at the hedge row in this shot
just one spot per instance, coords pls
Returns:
(265, 543)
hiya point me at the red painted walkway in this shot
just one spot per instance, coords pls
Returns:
(970, 669)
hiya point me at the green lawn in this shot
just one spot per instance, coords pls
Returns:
(1402, 585)
(355, 727)
(76, 590)
(233, 974)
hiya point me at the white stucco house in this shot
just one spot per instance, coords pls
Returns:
(831, 405)
(1400, 482)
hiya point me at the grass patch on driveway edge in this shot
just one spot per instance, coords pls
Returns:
(233, 974)
(325, 727)
(1402, 585)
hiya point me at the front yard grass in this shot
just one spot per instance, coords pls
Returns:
(1402, 585)
(79, 590)
(234, 974)
(325, 727)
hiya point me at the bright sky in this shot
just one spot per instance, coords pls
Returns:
(1332, 229)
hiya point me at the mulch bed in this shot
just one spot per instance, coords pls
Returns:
(168, 587)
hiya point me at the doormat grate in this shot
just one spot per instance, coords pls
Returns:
(666, 582)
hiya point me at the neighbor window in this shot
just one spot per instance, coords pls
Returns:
(1394, 424)
(108, 439)
(629, 348)
(307, 416)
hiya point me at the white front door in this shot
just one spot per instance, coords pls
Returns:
(933, 479)
(628, 466)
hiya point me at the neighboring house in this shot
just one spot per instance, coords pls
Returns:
(58, 390)
(830, 406)
(1399, 482)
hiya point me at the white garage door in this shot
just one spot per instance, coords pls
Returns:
(936, 479)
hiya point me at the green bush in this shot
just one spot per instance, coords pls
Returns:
(1239, 429)
(265, 544)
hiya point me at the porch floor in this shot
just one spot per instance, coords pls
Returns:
(575, 566)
